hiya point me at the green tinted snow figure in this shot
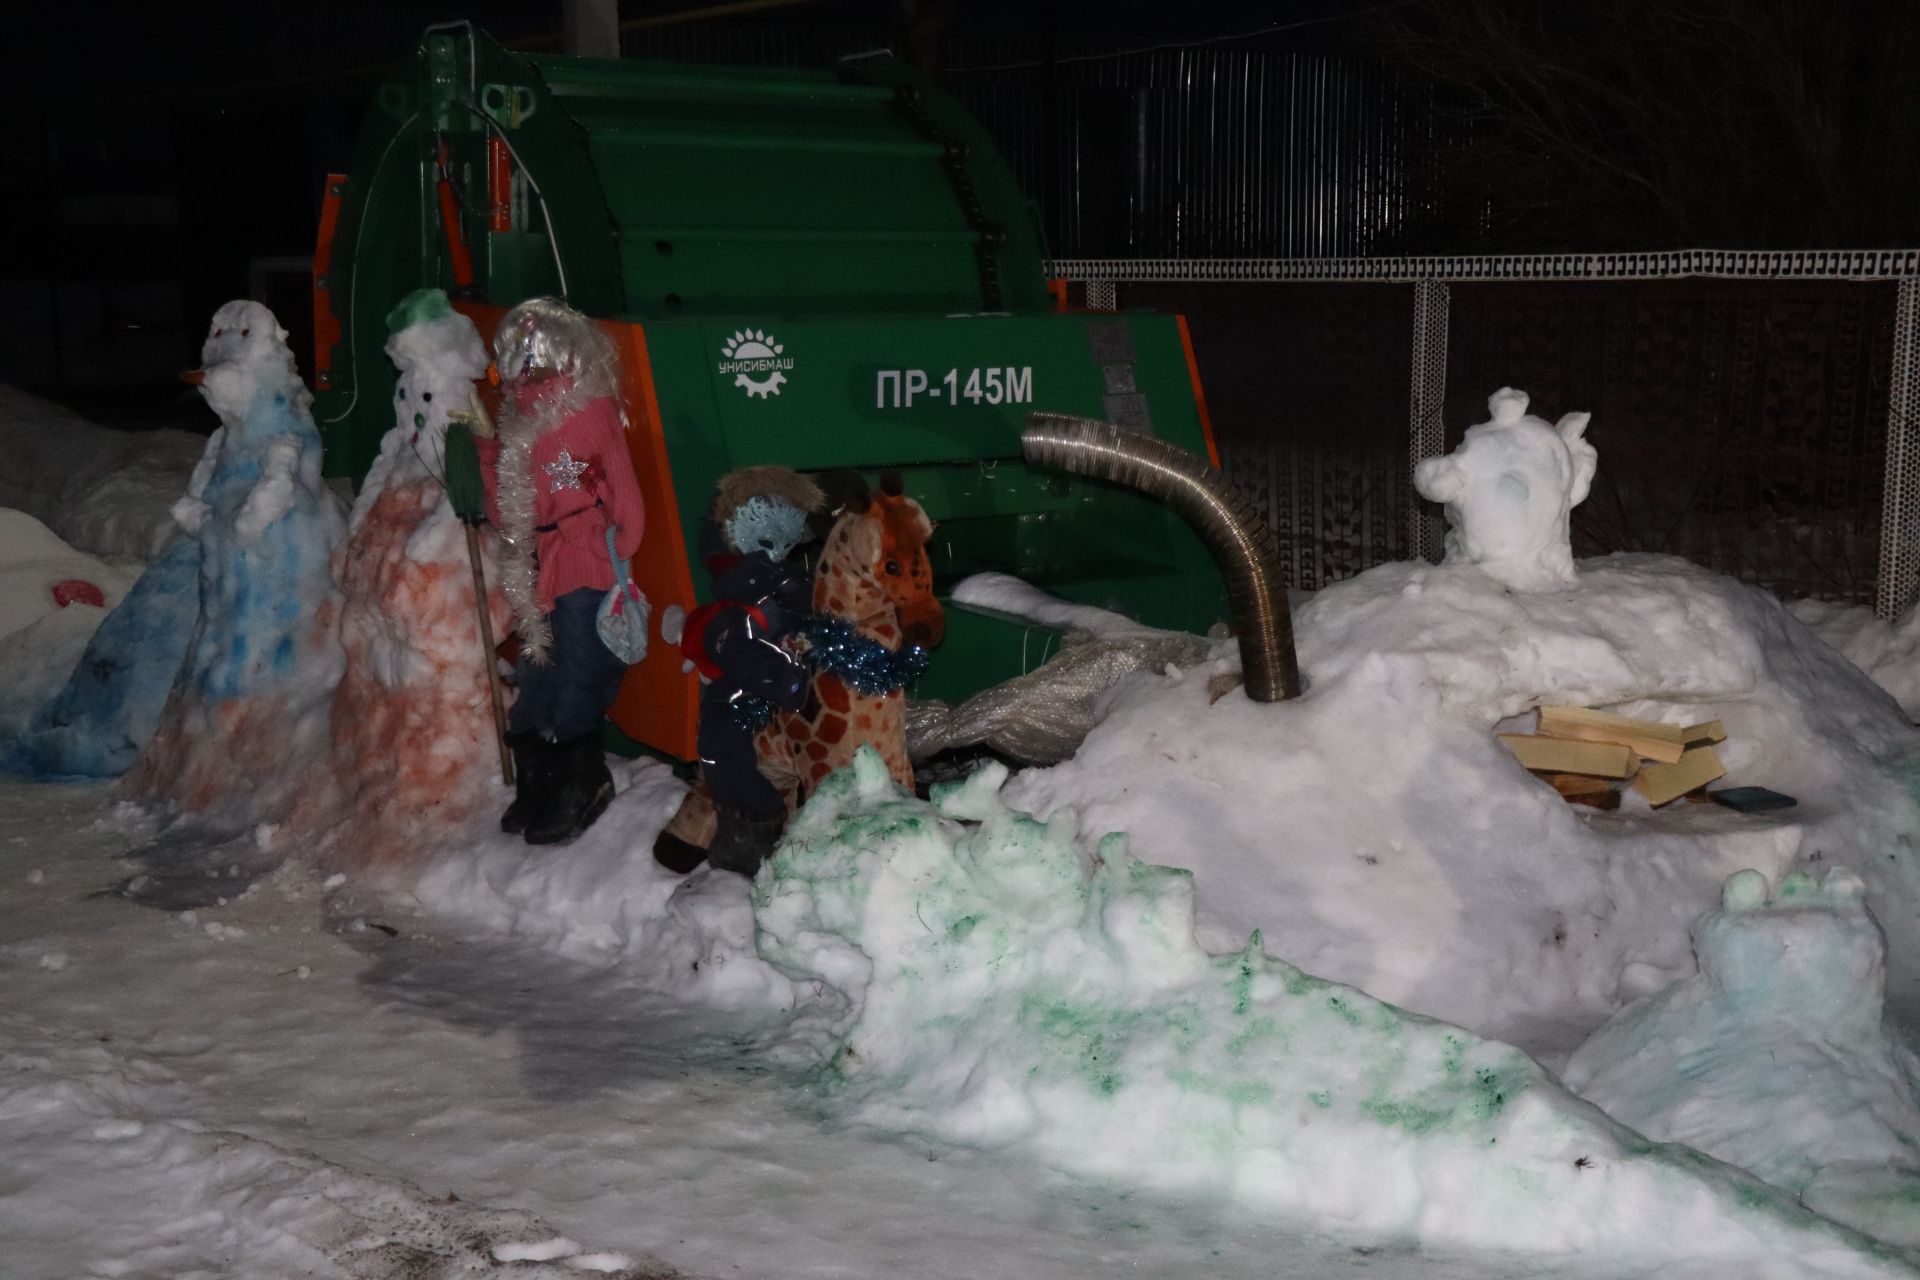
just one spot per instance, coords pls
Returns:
(1784, 1020)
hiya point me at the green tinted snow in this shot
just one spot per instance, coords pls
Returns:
(991, 980)
(418, 307)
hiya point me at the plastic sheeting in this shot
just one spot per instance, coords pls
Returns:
(1042, 717)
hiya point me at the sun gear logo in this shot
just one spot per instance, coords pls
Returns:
(751, 352)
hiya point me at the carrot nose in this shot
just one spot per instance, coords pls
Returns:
(193, 377)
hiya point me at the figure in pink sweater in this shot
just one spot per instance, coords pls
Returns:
(558, 476)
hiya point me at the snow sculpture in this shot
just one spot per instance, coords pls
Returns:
(105, 715)
(1508, 490)
(246, 714)
(1775, 1055)
(412, 730)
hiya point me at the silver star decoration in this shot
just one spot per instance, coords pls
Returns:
(565, 472)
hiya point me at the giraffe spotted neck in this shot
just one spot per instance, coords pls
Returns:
(845, 587)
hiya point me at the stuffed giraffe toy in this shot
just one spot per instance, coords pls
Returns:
(875, 616)
(874, 574)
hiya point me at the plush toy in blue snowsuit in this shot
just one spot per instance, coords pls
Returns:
(737, 643)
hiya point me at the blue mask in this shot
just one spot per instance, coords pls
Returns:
(766, 524)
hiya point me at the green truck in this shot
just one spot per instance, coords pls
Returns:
(824, 270)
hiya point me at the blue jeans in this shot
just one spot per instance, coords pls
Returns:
(568, 697)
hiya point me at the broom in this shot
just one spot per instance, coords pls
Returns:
(467, 495)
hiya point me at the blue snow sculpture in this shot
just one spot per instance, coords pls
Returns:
(221, 613)
(268, 541)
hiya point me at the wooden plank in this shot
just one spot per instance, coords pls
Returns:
(1707, 731)
(1649, 738)
(1566, 755)
(1660, 783)
(1577, 788)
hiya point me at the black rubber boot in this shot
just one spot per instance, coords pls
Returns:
(530, 763)
(743, 840)
(677, 855)
(578, 790)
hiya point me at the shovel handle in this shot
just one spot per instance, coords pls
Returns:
(489, 659)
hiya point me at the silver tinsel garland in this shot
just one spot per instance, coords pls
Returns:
(516, 494)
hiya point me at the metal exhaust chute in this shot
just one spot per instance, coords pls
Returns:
(1203, 497)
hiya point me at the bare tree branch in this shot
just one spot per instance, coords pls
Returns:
(1652, 123)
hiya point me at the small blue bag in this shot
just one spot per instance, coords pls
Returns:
(622, 620)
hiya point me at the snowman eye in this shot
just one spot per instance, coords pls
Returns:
(218, 332)
(427, 396)
(400, 393)
(245, 332)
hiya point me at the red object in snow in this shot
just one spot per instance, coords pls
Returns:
(78, 591)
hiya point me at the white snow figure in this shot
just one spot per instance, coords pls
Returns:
(413, 747)
(1508, 490)
(1776, 1055)
(440, 356)
(248, 707)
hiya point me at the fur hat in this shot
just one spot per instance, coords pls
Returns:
(783, 483)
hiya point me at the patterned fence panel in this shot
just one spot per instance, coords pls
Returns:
(1308, 390)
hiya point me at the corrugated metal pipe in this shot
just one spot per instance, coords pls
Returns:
(1225, 520)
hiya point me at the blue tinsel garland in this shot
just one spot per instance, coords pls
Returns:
(866, 665)
(751, 712)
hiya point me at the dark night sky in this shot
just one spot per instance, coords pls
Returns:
(165, 145)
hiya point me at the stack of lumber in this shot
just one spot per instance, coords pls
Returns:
(1582, 753)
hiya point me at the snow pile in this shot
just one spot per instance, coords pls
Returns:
(33, 561)
(1004, 593)
(1887, 651)
(602, 900)
(246, 716)
(106, 492)
(1381, 837)
(413, 745)
(1508, 489)
(991, 981)
(43, 638)
(1775, 1055)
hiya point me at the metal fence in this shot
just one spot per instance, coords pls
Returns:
(1756, 412)
(1168, 152)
